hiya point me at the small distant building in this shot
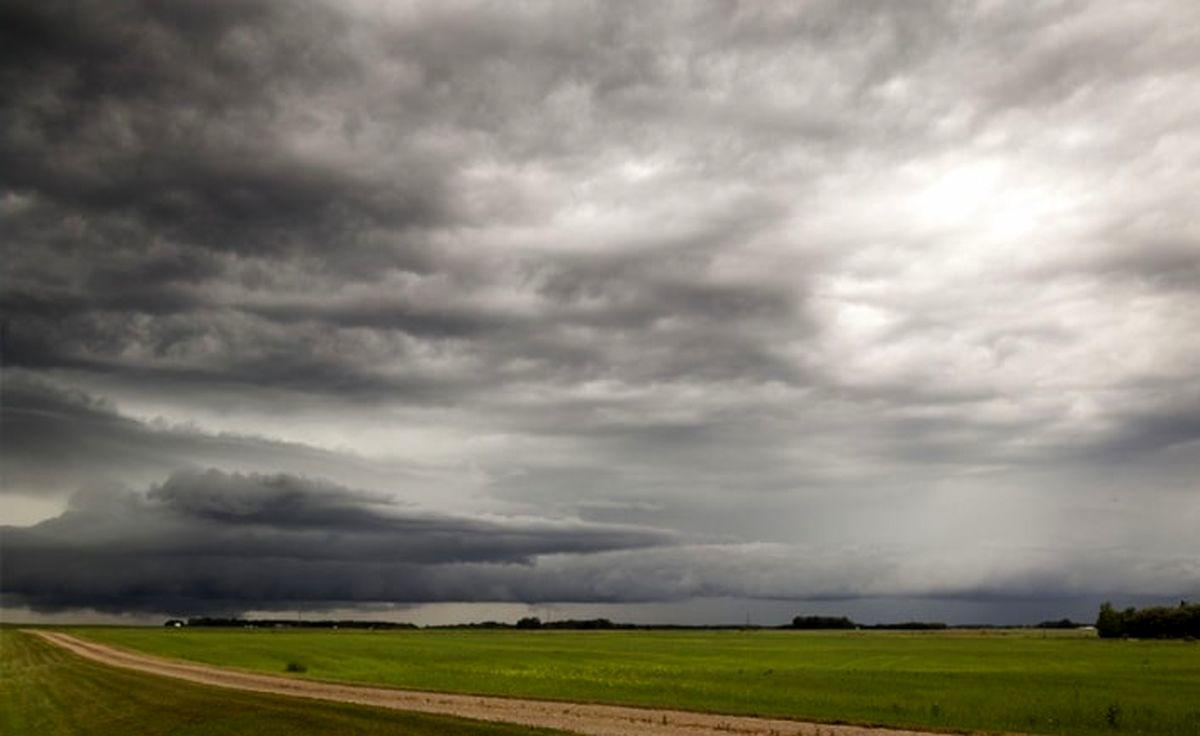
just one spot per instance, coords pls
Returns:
(173, 623)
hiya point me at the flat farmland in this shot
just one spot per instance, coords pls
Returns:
(1016, 681)
(48, 691)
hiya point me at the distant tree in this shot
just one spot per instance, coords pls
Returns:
(1062, 623)
(529, 622)
(584, 624)
(1109, 623)
(1158, 622)
(911, 626)
(823, 622)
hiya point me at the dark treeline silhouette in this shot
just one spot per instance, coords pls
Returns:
(1062, 623)
(533, 622)
(1159, 622)
(810, 623)
(909, 626)
(826, 623)
(823, 622)
(589, 624)
(280, 623)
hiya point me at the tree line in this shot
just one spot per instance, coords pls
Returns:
(1160, 622)
(836, 623)
(1156, 622)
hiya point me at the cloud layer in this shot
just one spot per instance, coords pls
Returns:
(922, 276)
(211, 539)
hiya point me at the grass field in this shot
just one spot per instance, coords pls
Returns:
(46, 691)
(1066, 683)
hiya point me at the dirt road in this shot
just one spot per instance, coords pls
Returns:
(598, 720)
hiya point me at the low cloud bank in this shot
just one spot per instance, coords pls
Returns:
(224, 542)
(214, 540)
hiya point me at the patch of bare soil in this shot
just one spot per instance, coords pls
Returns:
(586, 718)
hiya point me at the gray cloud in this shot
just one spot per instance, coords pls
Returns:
(57, 440)
(214, 541)
(204, 539)
(762, 274)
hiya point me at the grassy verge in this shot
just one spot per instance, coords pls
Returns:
(994, 681)
(46, 691)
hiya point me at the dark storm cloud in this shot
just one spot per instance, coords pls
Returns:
(168, 115)
(204, 539)
(160, 136)
(760, 273)
(217, 542)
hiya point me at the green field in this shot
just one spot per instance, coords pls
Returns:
(45, 691)
(999, 681)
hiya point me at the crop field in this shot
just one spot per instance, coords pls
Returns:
(1022, 681)
(47, 691)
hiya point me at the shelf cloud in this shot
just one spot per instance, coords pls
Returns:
(202, 539)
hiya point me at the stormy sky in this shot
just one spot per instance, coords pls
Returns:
(657, 310)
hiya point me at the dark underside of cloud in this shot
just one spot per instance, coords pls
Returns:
(210, 539)
(206, 541)
(855, 300)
